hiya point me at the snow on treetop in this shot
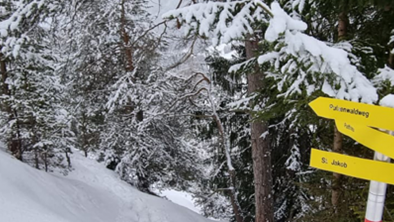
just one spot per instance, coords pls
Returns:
(349, 83)
(226, 21)
(280, 22)
(202, 17)
(333, 63)
(14, 20)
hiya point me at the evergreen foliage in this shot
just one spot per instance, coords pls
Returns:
(167, 111)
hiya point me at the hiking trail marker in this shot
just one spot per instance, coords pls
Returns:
(353, 112)
(352, 166)
(372, 138)
(355, 120)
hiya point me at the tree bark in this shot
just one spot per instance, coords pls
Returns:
(128, 52)
(343, 22)
(261, 151)
(233, 197)
(4, 76)
(336, 188)
(68, 157)
(391, 60)
(226, 145)
(337, 178)
(126, 39)
(14, 142)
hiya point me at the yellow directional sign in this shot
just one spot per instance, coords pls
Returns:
(371, 138)
(353, 166)
(360, 113)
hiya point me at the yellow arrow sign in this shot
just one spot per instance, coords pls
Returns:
(360, 113)
(353, 166)
(371, 138)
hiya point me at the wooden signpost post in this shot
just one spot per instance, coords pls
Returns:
(356, 121)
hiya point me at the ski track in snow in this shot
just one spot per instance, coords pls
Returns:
(90, 193)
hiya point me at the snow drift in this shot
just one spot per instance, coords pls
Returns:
(90, 193)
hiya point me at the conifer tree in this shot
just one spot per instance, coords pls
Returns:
(31, 89)
(298, 66)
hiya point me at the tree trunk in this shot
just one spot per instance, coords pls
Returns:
(261, 151)
(338, 138)
(66, 151)
(4, 76)
(391, 59)
(14, 143)
(36, 152)
(231, 171)
(45, 157)
(337, 178)
(128, 53)
(233, 197)
(343, 22)
(126, 39)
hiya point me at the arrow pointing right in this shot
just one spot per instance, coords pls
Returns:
(371, 138)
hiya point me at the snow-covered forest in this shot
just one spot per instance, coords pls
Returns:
(206, 97)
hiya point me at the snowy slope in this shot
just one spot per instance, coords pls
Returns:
(182, 198)
(90, 193)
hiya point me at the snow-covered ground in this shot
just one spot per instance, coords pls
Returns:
(90, 193)
(181, 198)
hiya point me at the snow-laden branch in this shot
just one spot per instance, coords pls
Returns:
(338, 77)
(391, 37)
(202, 18)
(386, 74)
(25, 12)
(14, 21)
(226, 144)
(299, 62)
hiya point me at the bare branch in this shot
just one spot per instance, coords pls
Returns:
(196, 74)
(200, 81)
(185, 57)
(264, 7)
(179, 4)
(147, 31)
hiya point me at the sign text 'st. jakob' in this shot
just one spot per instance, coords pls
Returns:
(352, 166)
